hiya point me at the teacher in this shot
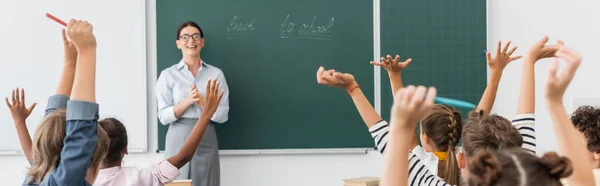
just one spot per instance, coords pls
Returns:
(178, 108)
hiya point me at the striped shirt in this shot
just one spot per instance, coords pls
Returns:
(418, 174)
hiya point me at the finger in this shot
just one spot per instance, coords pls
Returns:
(22, 96)
(320, 73)
(14, 100)
(488, 57)
(561, 43)
(514, 58)
(71, 24)
(397, 58)
(208, 84)
(431, 94)
(406, 63)
(18, 96)
(410, 90)
(379, 64)
(64, 36)
(216, 88)
(541, 42)
(31, 107)
(7, 102)
(389, 58)
(512, 50)
(499, 47)
(419, 95)
(221, 96)
(506, 47)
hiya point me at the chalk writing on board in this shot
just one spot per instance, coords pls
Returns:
(241, 28)
(312, 30)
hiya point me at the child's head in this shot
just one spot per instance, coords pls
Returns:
(587, 120)
(48, 143)
(118, 141)
(483, 132)
(440, 131)
(517, 167)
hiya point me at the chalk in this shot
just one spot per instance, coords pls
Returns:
(56, 19)
(454, 102)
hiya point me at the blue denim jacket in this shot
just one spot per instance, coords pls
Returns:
(80, 141)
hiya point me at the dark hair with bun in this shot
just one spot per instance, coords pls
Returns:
(587, 120)
(118, 141)
(517, 167)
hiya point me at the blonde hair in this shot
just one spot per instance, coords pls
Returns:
(48, 143)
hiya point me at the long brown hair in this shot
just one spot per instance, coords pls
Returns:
(517, 167)
(443, 125)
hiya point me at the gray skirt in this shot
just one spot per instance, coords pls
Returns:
(204, 170)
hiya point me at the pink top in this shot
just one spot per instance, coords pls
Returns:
(158, 174)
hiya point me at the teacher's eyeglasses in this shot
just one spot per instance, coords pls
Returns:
(186, 37)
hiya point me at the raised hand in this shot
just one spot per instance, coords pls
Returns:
(335, 79)
(17, 108)
(411, 104)
(540, 50)
(211, 101)
(503, 57)
(558, 82)
(81, 34)
(392, 65)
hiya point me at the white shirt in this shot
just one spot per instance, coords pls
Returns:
(159, 173)
(173, 86)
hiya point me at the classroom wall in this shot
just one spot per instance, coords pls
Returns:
(521, 21)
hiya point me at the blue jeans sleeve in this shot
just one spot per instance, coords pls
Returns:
(56, 102)
(79, 144)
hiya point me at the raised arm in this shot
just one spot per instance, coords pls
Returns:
(393, 68)
(65, 84)
(82, 111)
(19, 114)
(539, 50)
(347, 82)
(496, 65)
(410, 105)
(570, 142)
(209, 103)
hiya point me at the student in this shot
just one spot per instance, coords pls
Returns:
(570, 142)
(410, 105)
(517, 167)
(75, 158)
(163, 171)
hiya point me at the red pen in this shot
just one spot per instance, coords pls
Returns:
(56, 19)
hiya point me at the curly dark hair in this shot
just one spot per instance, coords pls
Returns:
(587, 120)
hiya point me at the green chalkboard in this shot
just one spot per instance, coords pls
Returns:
(269, 51)
(445, 39)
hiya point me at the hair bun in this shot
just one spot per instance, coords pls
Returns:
(559, 167)
(484, 168)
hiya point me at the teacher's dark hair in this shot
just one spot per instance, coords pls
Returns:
(186, 24)
(118, 141)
